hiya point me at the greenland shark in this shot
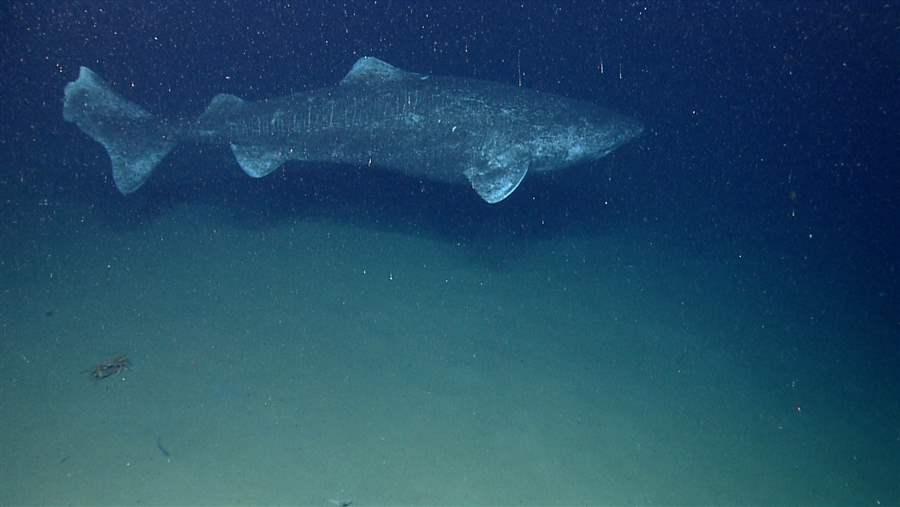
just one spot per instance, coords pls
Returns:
(447, 129)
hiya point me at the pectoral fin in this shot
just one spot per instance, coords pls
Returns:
(494, 184)
(258, 161)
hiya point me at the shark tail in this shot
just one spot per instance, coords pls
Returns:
(134, 140)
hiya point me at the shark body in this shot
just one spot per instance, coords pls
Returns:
(448, 129)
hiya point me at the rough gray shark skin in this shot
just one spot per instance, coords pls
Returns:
(447, 129)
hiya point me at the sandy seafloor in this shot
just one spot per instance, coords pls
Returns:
(312, 359)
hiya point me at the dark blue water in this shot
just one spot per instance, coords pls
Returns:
(781, 114)
(749, 233)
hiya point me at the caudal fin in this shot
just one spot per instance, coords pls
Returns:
(133, 138)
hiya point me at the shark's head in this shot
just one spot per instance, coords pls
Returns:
(591, 136)
(564, 134)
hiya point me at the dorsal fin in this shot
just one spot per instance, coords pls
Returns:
(369, 69)
(222, 104)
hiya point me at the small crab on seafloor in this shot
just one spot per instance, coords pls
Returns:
(114, 366)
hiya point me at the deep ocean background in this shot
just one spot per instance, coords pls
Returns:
(805, 88)
(763, 200)
(779, 113)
